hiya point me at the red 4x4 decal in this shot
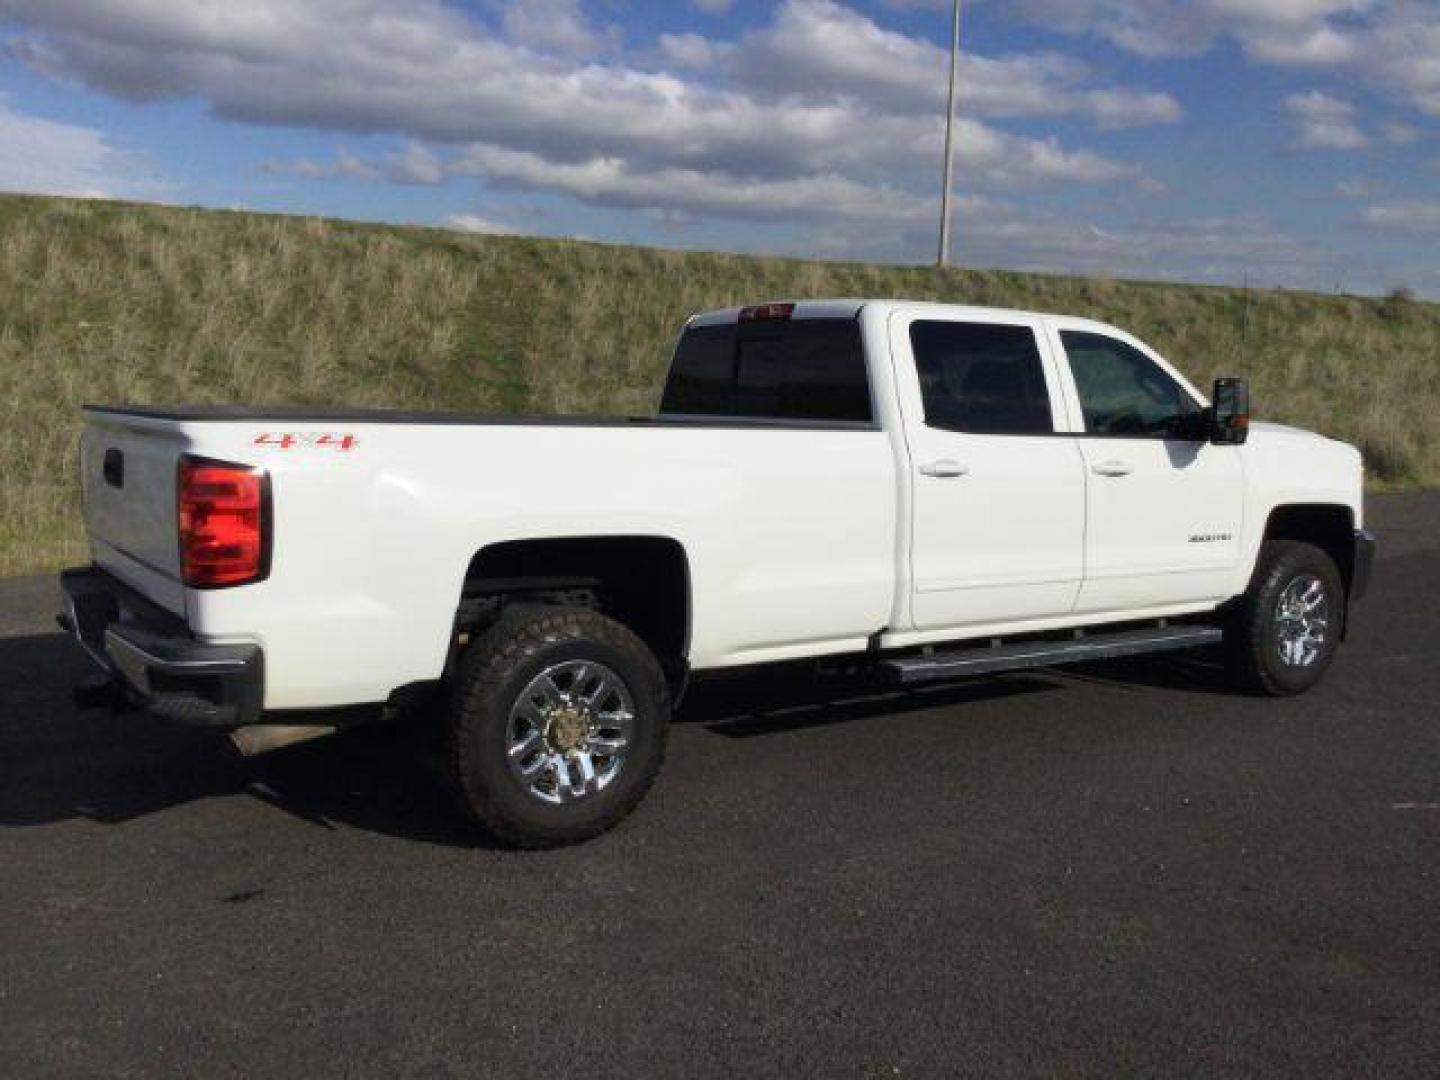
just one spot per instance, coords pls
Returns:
(305, 440)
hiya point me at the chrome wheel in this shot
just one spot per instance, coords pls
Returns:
(569, 731)
(1302, 621)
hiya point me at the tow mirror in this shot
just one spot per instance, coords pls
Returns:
(1230, 412)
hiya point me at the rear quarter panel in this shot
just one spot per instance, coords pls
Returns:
(789, 534)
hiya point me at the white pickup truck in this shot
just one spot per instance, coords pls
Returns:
(932, 491)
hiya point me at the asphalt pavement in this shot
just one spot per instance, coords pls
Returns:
(1120, 870)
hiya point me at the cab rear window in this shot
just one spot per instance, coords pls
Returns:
(801, 369)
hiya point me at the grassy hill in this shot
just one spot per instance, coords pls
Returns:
(119, 303)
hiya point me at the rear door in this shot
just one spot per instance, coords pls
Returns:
(1164, 505)
(998, 485)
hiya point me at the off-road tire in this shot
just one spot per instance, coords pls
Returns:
(1252, 655)
(489, 676)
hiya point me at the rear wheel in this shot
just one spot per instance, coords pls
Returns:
(558, 725)
(1285, 635)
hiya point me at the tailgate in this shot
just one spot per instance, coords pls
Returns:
(128, 472)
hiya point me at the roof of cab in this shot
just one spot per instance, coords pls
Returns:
(849, 308)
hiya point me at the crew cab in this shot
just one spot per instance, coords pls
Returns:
(929, 491)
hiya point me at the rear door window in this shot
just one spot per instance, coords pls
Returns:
(800, 369)
(982, 378)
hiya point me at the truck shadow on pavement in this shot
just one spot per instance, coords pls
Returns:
(792, 698)
(1199, 672)
(58, 763)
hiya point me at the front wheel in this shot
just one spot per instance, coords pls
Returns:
(1285, 635)
(558, 724)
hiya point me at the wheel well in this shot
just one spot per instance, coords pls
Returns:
(1330, 528)
(641, 581)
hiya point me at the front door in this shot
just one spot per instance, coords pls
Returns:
(1164, 505)
(998, 491)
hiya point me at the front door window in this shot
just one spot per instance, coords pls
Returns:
(1125, 393)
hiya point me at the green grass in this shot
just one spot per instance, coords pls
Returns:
(112, 302)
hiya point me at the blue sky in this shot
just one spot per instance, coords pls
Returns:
(1291, 142)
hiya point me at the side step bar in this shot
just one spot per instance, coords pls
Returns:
(909, 670)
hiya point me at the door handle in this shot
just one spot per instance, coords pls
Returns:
(1112, 468)
(946, 469)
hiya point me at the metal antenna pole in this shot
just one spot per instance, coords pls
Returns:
(945, 198)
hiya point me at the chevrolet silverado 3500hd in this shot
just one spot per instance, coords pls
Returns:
(933, 491)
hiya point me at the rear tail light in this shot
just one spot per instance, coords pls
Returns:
(224, 517)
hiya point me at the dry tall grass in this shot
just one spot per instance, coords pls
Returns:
(118, 303)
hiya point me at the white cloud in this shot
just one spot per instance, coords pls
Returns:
(424, 71)
(345, 166)
(820, 49)
(1410, 216)
(1149, 28)
(1217, 248)
(465, 99)
(1402, 55)
(1401, 134)
(43, 157)
(985, 158)
(991, 232)
(816, 115)
(1325, 122)
(1283, 30)
(415, 165)
(688, 50)
(1129, 108)
(1394, 45)
(555, 26)
(1320, 45)
(614, 182)
(473, 223)
(673, 220)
